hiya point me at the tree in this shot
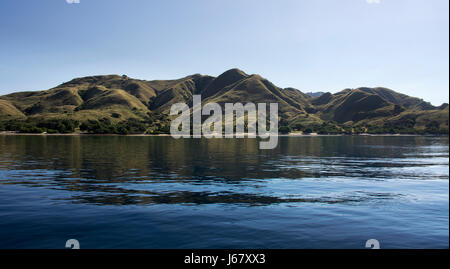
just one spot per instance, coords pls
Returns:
(299, 127)
(284, 130)
(308, 130)
(432, 127)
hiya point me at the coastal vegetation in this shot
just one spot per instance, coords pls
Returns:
(121, 105)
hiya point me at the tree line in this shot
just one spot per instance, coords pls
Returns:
(160, 124)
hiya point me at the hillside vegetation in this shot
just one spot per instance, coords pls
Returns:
(119, 104)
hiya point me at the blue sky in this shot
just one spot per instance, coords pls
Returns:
(311, 45)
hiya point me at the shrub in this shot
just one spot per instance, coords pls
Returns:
(284, 130)
(115, 115)
(104, 126)
(308, 130)
(40, 126)
(299, 127)
(432, 127)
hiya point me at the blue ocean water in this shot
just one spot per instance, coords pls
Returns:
(159, 192)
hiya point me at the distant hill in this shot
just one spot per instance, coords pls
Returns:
(113, 99)
(314, 94)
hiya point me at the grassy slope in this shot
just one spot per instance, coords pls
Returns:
(98, 97)
(377, 107)
(8, 110)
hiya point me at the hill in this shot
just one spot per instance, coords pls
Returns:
(314, 94)
(112, 102)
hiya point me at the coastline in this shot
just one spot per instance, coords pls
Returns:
(9, 133)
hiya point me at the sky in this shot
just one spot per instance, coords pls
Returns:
(311, 45)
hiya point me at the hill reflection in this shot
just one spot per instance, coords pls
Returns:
(115, 170)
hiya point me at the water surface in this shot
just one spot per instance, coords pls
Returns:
(158, 192)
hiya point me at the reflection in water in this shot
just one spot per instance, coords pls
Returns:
(145, 170)
(307, 187)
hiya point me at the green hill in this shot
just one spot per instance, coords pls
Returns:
(120, 104)
(8, 110)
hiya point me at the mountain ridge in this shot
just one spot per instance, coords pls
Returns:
(115, 98)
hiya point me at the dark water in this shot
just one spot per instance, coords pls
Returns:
(158, 192)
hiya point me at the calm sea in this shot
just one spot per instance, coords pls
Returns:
(158, 192)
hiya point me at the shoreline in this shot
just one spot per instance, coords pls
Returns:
(9, 133)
